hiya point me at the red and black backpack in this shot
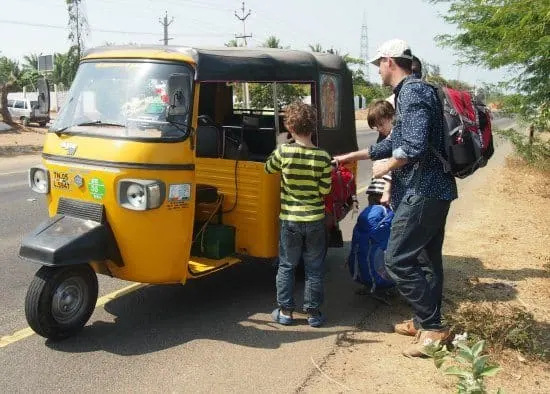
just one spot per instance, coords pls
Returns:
(467, 131)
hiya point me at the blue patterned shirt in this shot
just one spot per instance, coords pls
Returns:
(418, 124)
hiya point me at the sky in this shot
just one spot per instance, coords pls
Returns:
(40, 26)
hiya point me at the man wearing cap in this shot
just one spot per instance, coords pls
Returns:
(421, 194)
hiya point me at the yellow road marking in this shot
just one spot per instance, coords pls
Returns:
(118, 293)
(15, 337)
(27, 332)
(362, 190)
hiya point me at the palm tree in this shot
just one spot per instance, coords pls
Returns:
(9, 77)
(272, 42)
(232, 43)
(316, 48)
(65, 66)
(30, 61)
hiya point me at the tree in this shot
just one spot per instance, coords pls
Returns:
(507, 33)
(65, 66)
(316, 48)
(272, 42)
(30, 61)
(78, 24)
(232, 43)
(9, 76)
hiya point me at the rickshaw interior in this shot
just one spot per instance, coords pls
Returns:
(228, 130)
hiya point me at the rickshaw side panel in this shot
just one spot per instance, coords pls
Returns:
(255, 216)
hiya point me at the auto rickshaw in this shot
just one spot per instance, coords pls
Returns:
(154, 169)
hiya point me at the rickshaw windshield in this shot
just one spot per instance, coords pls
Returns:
(124, 100)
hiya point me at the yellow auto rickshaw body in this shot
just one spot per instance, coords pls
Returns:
(86, 161)
(154, 168)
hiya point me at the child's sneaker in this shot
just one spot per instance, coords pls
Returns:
(282, 316)
(315, 318)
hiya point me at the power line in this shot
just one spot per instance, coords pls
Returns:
(102, 30)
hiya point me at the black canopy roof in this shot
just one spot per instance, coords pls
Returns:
(242, 64)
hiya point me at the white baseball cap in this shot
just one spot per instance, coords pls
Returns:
(392, 48)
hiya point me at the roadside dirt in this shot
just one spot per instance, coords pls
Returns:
(23, 140)
(496, 251)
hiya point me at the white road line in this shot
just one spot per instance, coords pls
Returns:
(13, 184)
(13, 172)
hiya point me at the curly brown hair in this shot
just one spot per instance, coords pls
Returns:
(300, 118)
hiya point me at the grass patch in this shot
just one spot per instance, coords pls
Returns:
(502, 326)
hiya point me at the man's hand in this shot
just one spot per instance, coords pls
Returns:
(380, 168)
(351, 157)
(340, 159)
(385, 199)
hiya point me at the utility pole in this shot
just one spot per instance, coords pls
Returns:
(244, 36)
(78, 23)
(243, 20)
(76, 4)
(365, 48)
(164, 22)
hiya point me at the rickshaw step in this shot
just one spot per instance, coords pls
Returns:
(201, 265)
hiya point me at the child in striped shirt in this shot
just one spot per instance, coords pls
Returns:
(380, 117)
(305, 180)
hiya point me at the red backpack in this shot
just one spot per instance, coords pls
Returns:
(467, 131)
(342, 196)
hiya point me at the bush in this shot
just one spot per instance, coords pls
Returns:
(503, 326)
(535, 151)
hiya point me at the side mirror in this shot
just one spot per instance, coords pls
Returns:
(43, 95)
(179, 95)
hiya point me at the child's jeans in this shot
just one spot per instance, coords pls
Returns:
(305, 240)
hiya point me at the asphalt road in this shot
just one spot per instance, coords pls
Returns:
(214, 334)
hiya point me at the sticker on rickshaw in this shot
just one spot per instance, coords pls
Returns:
(179, 192)
(179, 196)
(96, 187)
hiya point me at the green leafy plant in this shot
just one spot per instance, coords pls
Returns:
(535, 151)
(469, 364)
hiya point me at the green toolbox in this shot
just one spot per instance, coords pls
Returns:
(215, 242)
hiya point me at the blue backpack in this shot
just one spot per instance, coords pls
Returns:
(369, 242)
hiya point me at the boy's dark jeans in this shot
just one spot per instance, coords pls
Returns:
(306, 240)
(414, 256)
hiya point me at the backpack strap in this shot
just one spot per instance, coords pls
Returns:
(441, 97)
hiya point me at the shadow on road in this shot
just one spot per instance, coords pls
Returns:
(463, 277)
(232, 306)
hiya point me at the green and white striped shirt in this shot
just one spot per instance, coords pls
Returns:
(305, 179)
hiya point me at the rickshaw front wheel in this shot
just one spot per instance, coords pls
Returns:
(60, 300)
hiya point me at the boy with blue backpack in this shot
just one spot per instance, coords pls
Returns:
(380, 118)
(372, 230)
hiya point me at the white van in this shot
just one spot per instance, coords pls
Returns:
(26, 111)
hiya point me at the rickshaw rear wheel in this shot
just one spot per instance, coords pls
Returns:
(60, 300)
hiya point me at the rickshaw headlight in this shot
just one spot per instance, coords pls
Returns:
(141, 194)
(39, 180)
